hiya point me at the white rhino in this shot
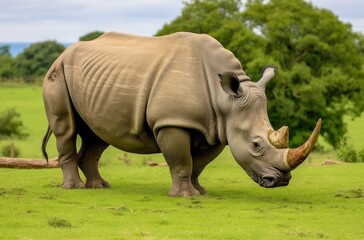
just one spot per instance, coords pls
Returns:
(183, 95)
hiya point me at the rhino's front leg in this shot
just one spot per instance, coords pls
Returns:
(200, 161)
(175, 144)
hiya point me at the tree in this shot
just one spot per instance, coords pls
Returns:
(5, 50)
(321, 65)
(203, 16)
(320, 59)
(220, 19)
(6, 62)
(35, 60)
(91, 36)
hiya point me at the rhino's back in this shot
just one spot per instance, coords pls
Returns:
(127, 87)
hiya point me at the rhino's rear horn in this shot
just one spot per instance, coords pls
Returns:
(297, 155)
(279, 138)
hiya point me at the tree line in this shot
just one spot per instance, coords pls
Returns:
(34, 61)
(320, 59)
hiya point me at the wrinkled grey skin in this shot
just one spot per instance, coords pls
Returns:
(183, 95)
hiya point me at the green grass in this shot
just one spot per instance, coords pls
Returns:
(321, 202)
(356, 132)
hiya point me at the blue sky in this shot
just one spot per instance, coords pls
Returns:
(67, 20)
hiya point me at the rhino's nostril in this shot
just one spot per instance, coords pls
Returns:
(268, 181)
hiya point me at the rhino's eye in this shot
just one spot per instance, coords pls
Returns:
(257, 148)
(256, 145)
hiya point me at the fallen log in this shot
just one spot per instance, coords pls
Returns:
(26, 163)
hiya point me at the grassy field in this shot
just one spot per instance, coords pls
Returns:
(321, 202)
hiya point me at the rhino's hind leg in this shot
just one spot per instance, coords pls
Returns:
(89, 155)
(71, 177)
(175, 146)
(62, 123)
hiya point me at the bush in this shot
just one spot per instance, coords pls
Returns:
(361, 155)
(10, 151)
(11, 125)
(347, 153)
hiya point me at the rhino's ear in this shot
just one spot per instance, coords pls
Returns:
(268, 73)
(230, 84)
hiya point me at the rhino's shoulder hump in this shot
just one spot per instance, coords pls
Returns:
(180, 37)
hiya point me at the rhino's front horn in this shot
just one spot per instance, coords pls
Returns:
(297, 155)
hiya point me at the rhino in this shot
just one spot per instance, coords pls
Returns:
(183, 95)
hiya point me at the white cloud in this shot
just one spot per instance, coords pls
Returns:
(348, 11)
(345, 9)
(67, 20)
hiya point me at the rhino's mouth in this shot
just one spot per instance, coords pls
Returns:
(271, 181)
(275, 178)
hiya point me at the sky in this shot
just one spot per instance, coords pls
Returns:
(66, 20)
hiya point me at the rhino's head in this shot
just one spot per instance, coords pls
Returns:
(256, 146)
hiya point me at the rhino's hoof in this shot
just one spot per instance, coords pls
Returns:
(200, 189)
(79, 185)
(184, 192)
(97, 184)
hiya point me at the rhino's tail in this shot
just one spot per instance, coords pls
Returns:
(45, 141)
